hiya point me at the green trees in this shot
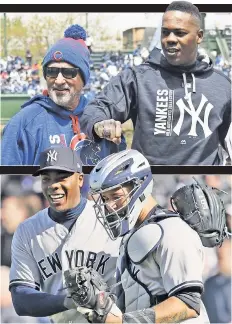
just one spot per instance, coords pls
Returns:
(38, 31)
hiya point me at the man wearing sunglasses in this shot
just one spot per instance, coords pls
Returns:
(53, 119)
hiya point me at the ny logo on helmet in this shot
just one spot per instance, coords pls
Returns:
(52, 156)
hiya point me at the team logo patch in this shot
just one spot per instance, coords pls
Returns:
(58, 56)
(89, 152)
(192, 119)
(51, 156)
(204, 108)
(58, 139)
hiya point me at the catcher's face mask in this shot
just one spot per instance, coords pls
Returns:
(113, 208)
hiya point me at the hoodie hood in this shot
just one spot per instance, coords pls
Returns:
(202, 65)
(51, 106)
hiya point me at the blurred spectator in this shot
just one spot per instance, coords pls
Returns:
(219, 61)
(89, 43)
(217, 295)
(18, 76)
(13, 212)
(8, 314)
(3, 65)
(137, 51)
(28, 57)
(222, 65)
(33, 203)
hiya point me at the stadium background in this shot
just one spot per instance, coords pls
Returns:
(117, 40)
(21, 198)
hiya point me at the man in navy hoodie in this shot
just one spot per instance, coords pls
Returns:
(53, 120)
(179, 104)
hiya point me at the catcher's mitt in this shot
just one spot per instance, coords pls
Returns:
(201, 207)
(89, 292)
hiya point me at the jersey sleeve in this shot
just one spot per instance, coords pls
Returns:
(116, 101)
(24, 269)
(180, 257)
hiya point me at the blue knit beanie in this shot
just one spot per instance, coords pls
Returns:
(71, 49)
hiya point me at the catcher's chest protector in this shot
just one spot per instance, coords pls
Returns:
(135, 257)
(145, 256)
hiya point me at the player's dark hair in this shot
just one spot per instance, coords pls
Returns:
(185, 6)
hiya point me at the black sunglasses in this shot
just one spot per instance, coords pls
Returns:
(68, 73)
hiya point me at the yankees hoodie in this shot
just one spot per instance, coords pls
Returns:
(180, 114)
(40, 124)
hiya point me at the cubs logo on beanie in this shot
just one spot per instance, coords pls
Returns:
(71, 49)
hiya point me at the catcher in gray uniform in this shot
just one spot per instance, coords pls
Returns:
(160, 265)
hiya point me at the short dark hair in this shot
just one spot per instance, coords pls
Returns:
(185, 6)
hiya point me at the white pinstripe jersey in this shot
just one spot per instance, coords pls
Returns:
(177, 263)
(43, 249)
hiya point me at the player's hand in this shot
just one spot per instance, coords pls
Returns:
(69, 303)
(109, 129)
(104, 311)
(114, 316)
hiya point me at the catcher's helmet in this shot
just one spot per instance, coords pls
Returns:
(127, 167)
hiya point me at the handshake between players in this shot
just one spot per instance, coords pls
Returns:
(91, 294)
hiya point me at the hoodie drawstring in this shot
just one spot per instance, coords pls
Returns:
(186, 85)
(78, 136)
(194, 83)
(76, 126)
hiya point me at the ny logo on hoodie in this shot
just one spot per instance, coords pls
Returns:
(194, 113)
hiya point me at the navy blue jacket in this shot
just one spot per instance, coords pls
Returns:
(180, 114)
(40, 124)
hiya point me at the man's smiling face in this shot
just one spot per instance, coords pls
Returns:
(64, 92)
(180, 36)
(61, 189)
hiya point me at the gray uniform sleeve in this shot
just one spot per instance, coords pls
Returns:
(117, 101)
(180, 257)
(24, 269)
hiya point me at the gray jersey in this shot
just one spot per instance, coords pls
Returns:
(176, 263)
(43, 249)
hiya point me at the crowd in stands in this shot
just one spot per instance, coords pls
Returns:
(112, 63)
(223, 65)
(22, 198)
(20, 76)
